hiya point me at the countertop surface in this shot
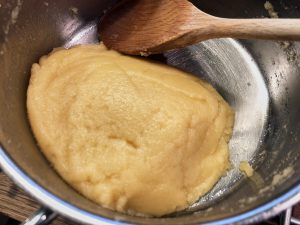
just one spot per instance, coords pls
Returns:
(16, 204)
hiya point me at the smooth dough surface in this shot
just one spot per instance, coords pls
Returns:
(129, 134)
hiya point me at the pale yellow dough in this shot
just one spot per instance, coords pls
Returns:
(129, 134)
(246, 168)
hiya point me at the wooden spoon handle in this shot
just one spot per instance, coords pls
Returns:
(274, 29)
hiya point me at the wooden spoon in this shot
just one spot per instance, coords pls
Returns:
(154, 26)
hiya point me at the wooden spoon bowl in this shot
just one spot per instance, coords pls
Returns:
(142, 27)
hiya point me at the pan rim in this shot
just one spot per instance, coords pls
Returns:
(57, 204)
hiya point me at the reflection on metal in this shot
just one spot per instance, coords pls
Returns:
(295, 221)
(232, 70)
(287, 219)
(41, 217)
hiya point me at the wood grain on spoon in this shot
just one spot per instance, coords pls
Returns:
(154, 26)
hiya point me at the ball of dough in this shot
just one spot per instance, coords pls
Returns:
(129, 134)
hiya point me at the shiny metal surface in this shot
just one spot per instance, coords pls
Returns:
(285, 217)
(295, 221)
(40, 217)
(260, 79)
(232, 70)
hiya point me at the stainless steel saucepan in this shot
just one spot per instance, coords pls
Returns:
(260, 79)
